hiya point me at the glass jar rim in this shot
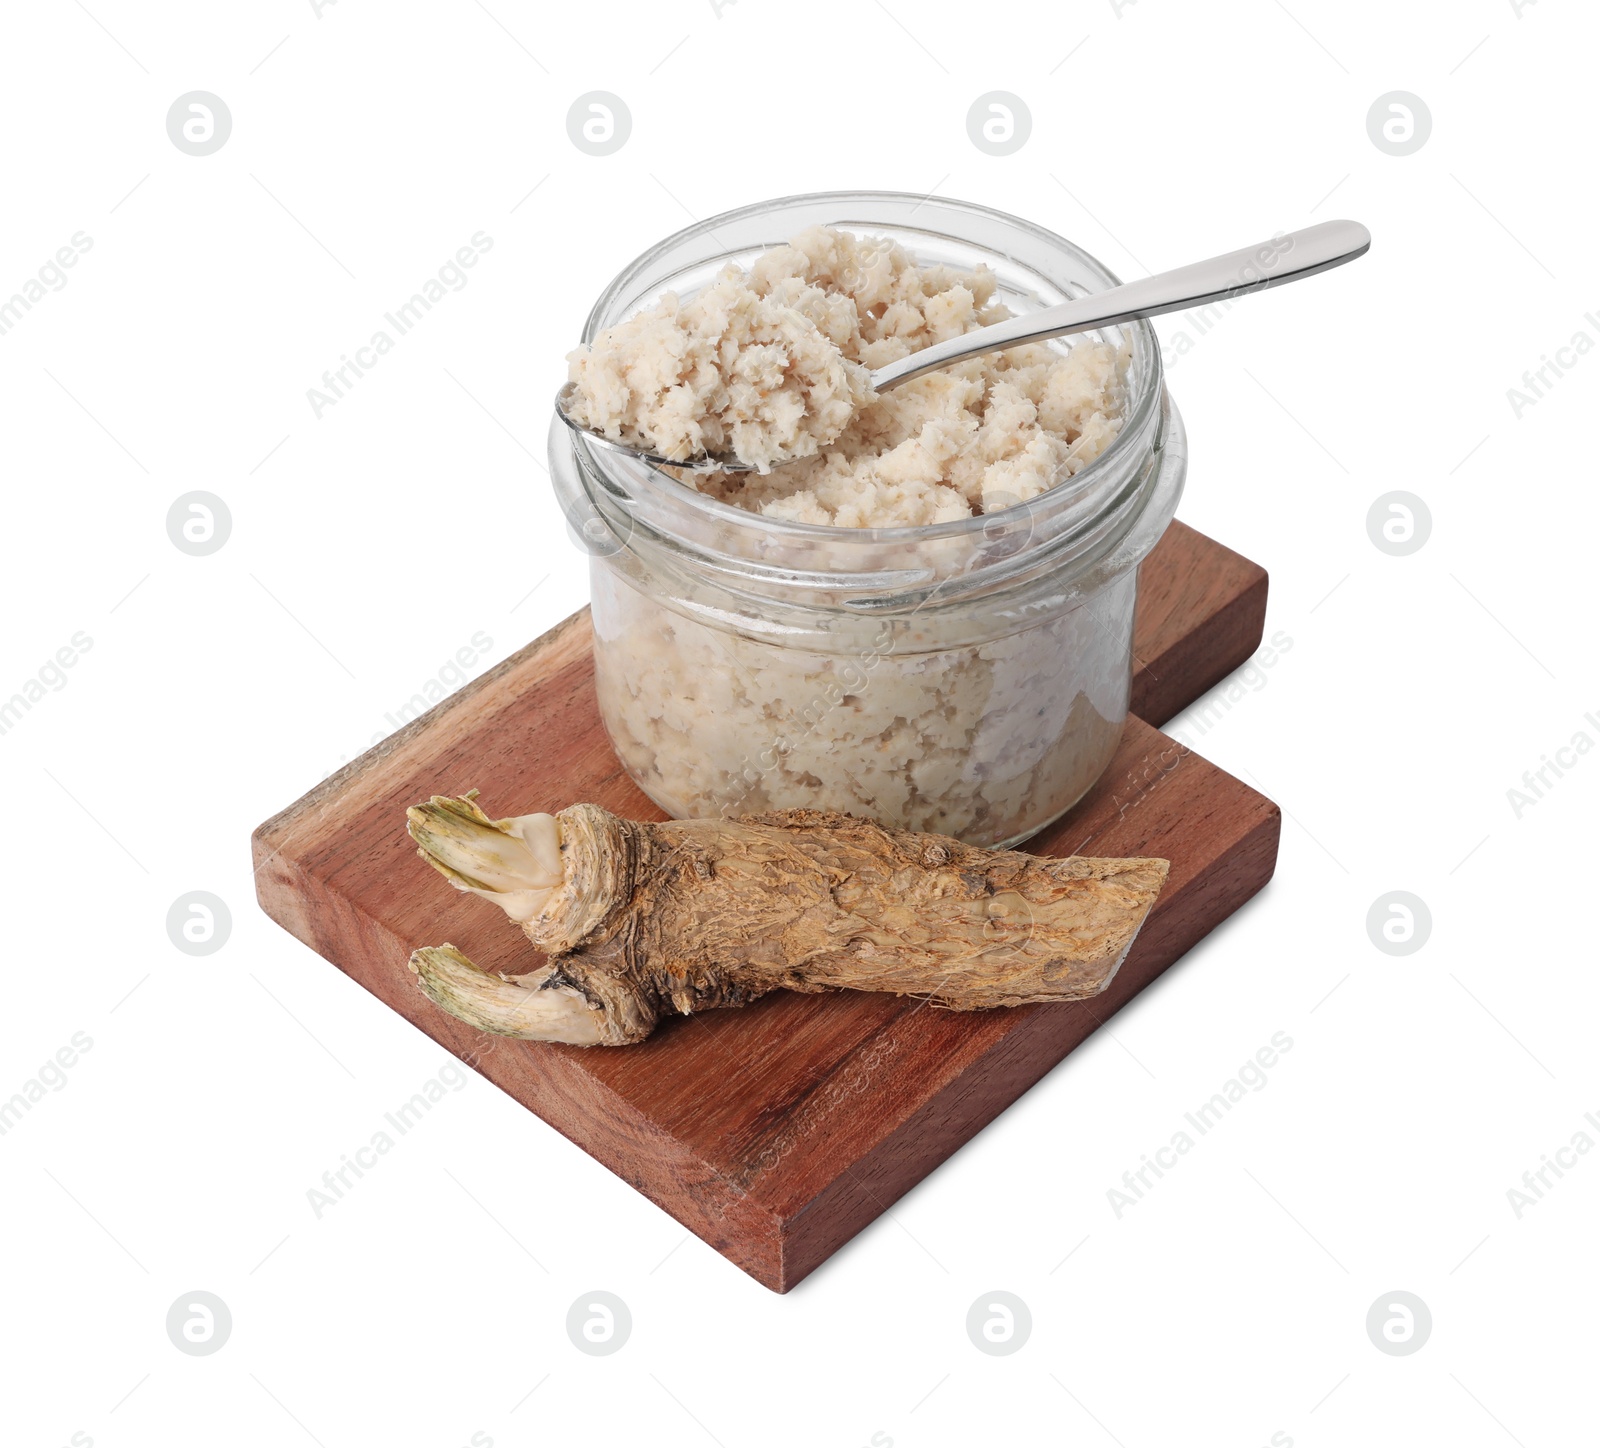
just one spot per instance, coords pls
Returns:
(1144, 403)
(1075, 536)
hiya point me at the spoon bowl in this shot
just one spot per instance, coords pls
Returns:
(705, 463)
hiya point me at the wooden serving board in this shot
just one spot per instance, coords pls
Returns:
(775, 1132)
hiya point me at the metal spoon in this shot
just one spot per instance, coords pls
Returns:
(1285, 258)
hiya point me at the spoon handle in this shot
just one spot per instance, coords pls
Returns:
(1285, 258)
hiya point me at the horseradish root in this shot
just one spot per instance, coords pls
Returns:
(639, 921)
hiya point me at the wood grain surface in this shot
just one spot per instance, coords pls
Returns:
(1200, 615)
(778, 1131)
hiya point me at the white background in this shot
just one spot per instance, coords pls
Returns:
(367, 546)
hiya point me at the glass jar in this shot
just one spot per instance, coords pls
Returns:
(968, 678)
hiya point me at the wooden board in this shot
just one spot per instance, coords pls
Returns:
(779, 1131)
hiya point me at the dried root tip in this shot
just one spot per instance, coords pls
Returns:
(535, 1007)
(514, 862)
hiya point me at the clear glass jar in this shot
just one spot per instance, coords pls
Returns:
(968, 678)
